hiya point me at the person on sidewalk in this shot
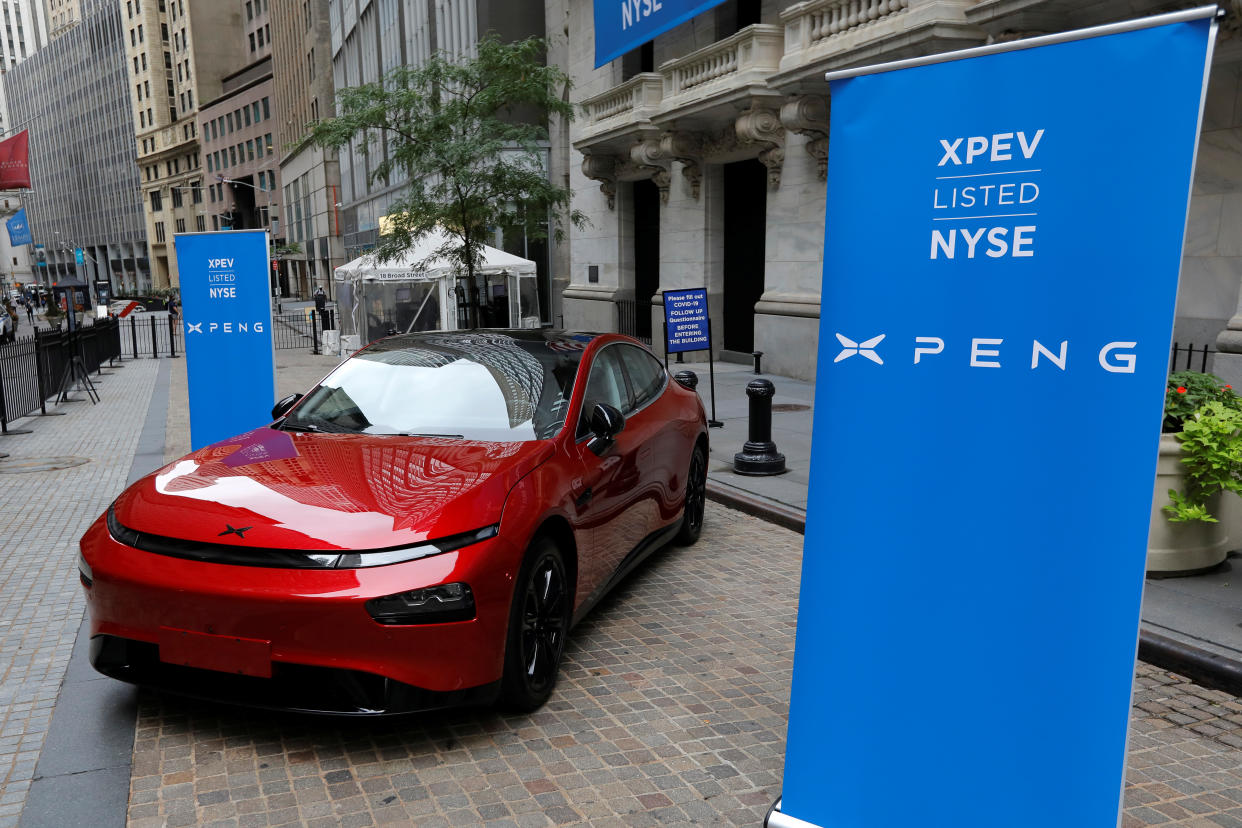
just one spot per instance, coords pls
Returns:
(321, 307)
(29, 313)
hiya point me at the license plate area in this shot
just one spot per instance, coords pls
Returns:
(223, 653)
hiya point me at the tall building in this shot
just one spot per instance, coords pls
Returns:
(24, 33)
(239, 142)
(701, 160)
(177, 53)
(72, 97)
(62, 15)
(302, 94)
(371, 37)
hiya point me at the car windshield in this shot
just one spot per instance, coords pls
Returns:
(485, 386)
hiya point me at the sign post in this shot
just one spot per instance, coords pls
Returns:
(688, 327)
(991, 376)
(226, 311)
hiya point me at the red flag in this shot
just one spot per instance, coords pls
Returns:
(15, 162)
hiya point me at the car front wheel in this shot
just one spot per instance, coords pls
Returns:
(538, 624)
(696, 499)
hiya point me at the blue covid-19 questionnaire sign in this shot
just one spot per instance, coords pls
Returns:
(1003, 242)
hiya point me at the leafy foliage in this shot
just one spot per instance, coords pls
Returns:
(1187, 391)
(464, 139)
(1211, 441)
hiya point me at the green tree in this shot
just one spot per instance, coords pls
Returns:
(464, 138)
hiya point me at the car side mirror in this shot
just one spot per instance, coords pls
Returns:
(687, 379)
(606, 423)
(281, 408)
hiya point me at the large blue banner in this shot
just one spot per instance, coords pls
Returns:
(1003, 242)
(226, 307)
(623, 25)
(19, 229)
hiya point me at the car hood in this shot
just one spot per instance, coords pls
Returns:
(328, 491)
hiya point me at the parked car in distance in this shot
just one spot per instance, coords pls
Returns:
(421, 530)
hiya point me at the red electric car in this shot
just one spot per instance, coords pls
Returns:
(419, 531)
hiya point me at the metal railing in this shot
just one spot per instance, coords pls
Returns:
(1190, 352)
(627, 319)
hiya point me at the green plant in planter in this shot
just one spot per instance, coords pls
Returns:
(1207, 418)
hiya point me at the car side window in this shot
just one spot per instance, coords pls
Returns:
(647, 376)
(606, 384)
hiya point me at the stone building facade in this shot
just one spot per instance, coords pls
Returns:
(701, 157)
(303, 94)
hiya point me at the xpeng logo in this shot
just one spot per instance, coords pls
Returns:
(1115, 357)
(224, 327)
(866, 348)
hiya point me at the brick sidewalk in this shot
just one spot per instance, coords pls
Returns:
(43, 513)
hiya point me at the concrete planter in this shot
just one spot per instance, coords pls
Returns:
(1182, 548)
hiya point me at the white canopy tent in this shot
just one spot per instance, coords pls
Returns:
(421, 291)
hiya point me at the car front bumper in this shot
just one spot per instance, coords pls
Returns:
(295, 639)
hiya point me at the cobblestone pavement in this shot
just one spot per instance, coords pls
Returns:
(42, 515)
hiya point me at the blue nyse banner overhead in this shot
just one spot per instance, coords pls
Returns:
(1003, 241)
(226, 312)
(19, 228)
(624, 25)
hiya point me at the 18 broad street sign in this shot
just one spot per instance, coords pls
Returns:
(1003, 241)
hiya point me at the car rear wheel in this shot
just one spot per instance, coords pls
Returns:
(696, 499)
(538, 624)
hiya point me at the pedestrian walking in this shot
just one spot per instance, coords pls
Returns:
(29, 313)
(321, 307)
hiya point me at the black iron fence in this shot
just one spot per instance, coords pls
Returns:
(1190, 358)
(152, 336)
(296, 329)
(627, 319)
(35, 369)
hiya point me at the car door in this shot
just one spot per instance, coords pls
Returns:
(601, 492)
(660, 458)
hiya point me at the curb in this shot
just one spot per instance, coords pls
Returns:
(756, 507)
(1202, 666)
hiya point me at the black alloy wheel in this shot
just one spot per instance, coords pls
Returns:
(696, 499)
(538, 624)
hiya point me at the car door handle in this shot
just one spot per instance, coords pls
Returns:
(584, 498)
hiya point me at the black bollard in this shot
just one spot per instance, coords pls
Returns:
(758, 356)
(759, 455)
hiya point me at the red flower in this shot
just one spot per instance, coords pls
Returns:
(1181, 389)
(1229, 387)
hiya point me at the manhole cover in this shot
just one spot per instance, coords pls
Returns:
(25, 465)
(790, 407)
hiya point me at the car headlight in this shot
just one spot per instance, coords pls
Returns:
(429, 605)
(236, 555)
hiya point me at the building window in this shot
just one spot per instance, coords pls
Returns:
(142, 119)
(250, 150)
(258, 149)
(140, 33)
(209, 166)
(200, 223)
(180, 225)
(232, 156)
(215, 222)
(159, 231)
(267, 140)
(189, 94)
(249, 11)
(176, 196)
(168, 60)
(157, 203)
(144, 61)
(197, 192)
(252, 41)
(135, 65)
(267, 112)
(254, 111)
(228, 119)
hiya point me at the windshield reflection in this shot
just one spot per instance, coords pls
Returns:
(476, 387)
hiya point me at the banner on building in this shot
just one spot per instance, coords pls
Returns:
(1004, 233)
(624, 25)
(15, 162)
(19, 229)
(226, 310)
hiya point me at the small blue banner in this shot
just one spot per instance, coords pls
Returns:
(1003, 242)
(226, 310)
(686, 326)
(78, 255)
(624, 25)
(19, 229)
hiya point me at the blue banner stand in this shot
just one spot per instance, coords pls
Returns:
(1003, 241)
(688, 327)
(226, 311)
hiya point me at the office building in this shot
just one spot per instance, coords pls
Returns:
(302, 93)
(72, 96)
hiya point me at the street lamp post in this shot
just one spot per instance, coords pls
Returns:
(267, 216)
